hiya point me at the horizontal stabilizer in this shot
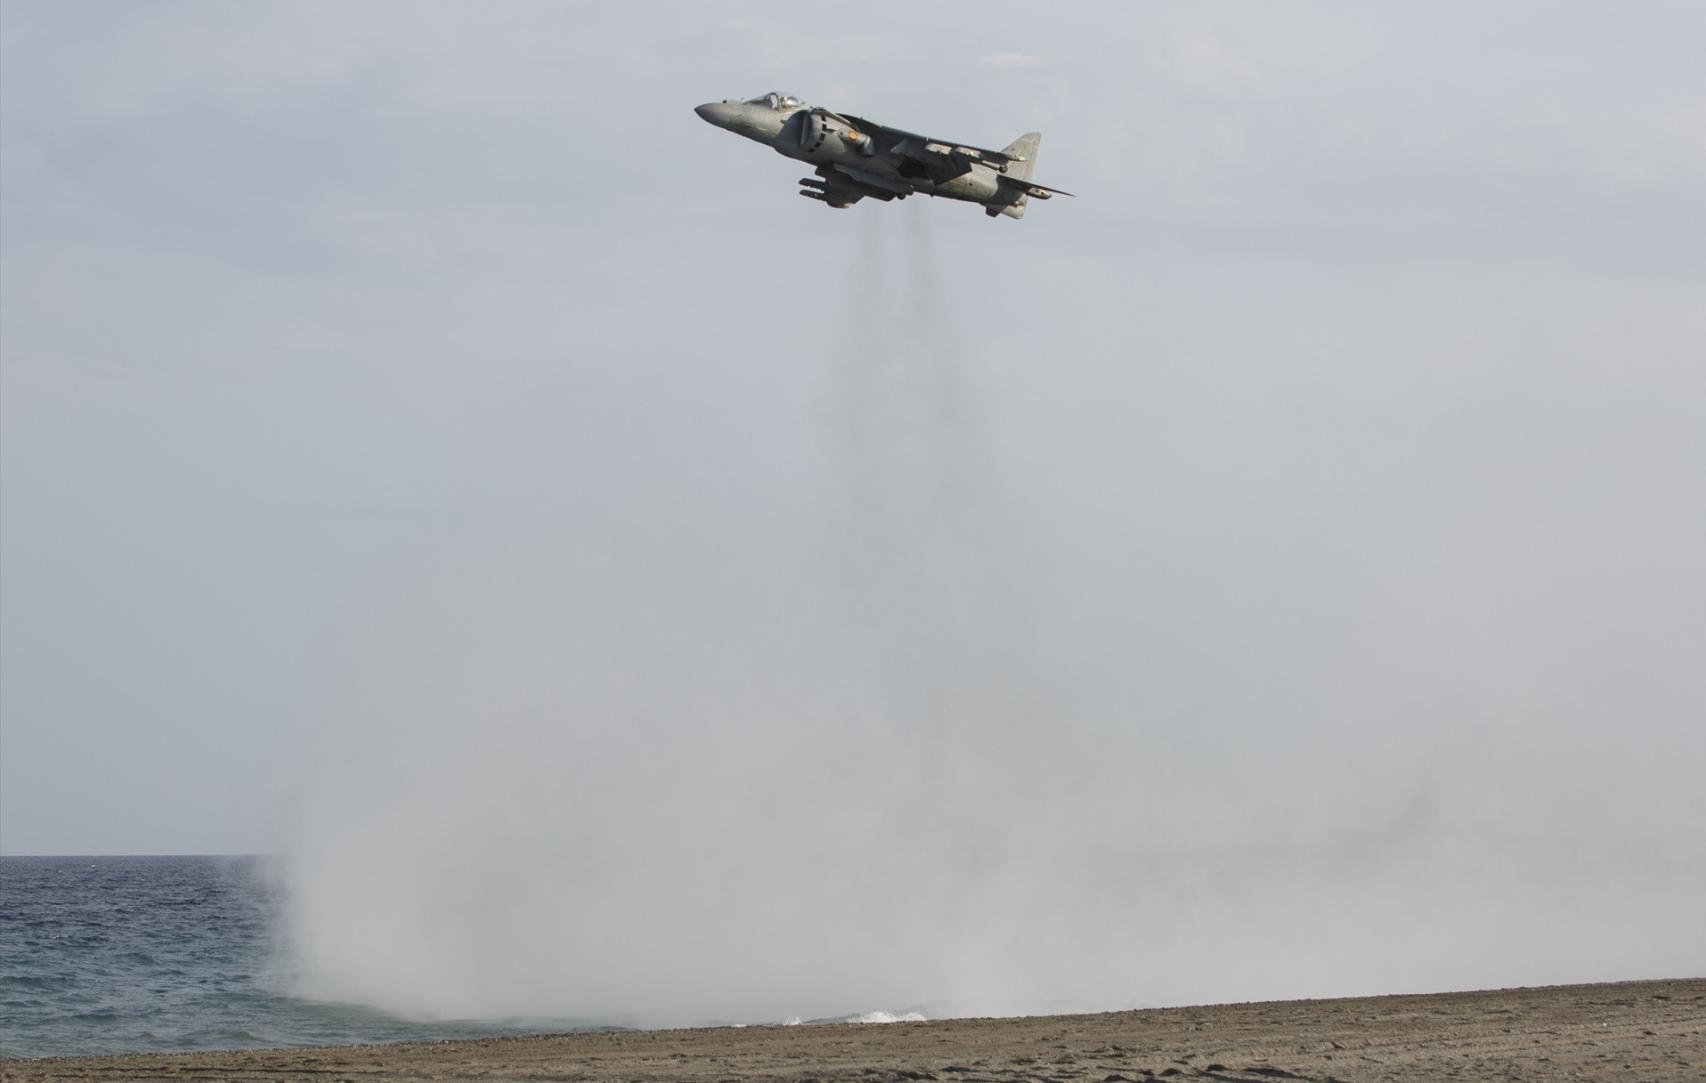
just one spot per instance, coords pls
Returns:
(1041, 191)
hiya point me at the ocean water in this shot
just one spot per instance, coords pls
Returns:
(153, 954)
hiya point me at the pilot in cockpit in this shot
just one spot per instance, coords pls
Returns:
(777, 101)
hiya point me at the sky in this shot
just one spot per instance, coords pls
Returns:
(420, 434)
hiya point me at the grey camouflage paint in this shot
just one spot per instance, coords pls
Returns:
(857, 159)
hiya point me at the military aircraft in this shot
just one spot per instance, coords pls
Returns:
(857, 159)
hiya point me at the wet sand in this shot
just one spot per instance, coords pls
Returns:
(1632, 1030)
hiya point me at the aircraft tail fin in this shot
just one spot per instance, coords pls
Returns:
(1023, 154)
(1023, 151)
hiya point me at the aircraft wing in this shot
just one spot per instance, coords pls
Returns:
(953, 158)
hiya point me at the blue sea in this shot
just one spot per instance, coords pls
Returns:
(155, 954)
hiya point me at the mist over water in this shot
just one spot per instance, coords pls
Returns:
(853, 755)
(686, 782)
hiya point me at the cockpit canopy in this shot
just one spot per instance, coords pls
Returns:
(777, 101)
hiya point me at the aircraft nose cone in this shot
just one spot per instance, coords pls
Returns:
(722, 114)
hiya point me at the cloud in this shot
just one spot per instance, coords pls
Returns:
(779, 44)
(1201, 57)
(1013, 60)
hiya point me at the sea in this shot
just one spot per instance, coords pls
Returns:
(160, 954)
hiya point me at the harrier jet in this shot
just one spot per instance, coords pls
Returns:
(856, 159)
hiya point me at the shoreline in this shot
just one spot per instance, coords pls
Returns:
(1650, 1030)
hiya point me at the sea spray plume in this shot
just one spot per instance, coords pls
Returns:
(678, 763)
(918, 542)
(592, 777)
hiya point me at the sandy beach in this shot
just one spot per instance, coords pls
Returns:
(1652, 1030)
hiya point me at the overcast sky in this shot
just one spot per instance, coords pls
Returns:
(432, 454)
(1355, 412)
